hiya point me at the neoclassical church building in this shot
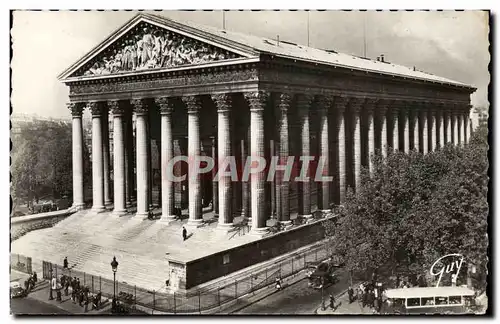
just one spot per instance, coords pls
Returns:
(184, 89)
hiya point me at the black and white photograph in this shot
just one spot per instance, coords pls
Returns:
(250, 162)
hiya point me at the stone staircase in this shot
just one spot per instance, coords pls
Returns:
(90, 240)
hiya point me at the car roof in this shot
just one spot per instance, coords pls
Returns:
(15, 284)
(425, 292)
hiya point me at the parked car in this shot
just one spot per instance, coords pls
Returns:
(322, 273)
(16, 290)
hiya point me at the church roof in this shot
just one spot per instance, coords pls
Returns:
(249, 46)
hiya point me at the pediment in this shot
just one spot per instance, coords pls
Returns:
(147, 46)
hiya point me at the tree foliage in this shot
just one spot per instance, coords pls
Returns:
(415, 209)
(41, 160)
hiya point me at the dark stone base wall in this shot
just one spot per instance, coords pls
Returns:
(21, 225)
(211, 267)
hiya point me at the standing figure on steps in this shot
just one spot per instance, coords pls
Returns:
(65, 263)
(184, 233)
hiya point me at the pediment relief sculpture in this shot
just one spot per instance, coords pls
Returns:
(151, 47)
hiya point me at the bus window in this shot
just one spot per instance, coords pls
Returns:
(412, 302)
(441, 300)
(428, 301)
(455, 300)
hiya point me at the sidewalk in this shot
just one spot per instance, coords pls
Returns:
(342, 307)
(41, 293)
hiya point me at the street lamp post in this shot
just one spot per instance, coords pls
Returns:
(114, 267)
(323, 293)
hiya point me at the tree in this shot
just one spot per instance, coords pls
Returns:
(42, 160)
(415, 209)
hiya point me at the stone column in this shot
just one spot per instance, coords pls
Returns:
(77, 143)
(423, 129)
(355, 111)
(384, 120)
(257, 102)
(126, 135)
(324, 105)
(370, 123)
(193, 105)
(404, 146)
(393, 132)
(224, 141)
(142, 158)
(167, 154)
(303, 104)
(466, 126)
(97, 159)
(118, 158)
(460, 126)
(454, 128)
(283, 209)
(129, 156)
(215, 184)
(340, 174)
(440, 127)
(105, 155)
(447, 126)
(431, 126)
(244, 184)
(414, 129)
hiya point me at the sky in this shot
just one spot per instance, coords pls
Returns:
(449, 44)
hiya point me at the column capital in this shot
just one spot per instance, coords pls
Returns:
(223, 101)
(283, 101)
(324, 102)
(256, 99)
(116, 108)
(371, 104)
(356, 104)
(96, 108)
(166, 105)
(76, 108)
(193, 104)
(340, 103)
(140, 106)
(383, 105)
(303, 99)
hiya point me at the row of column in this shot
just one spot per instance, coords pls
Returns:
(350, 131)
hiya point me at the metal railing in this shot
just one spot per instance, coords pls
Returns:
(195, 302)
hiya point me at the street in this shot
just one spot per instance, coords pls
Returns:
(21, 306)
(297, 298)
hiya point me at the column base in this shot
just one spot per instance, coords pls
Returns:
(286, 224)
(259, 232)
(107, 203)
(167, 219)
(120, 212)
(325, 211)
(308, 218)
(128, 204)
(224, 229)
(77, 207)
(140, 216)
(194, 223)
(98, 209)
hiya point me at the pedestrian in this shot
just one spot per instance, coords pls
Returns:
(350, 292)
(332, 301)
(184, 233)
(65, 263)
(278, 283)
(35, 278)
(66, 286)
(26, 286)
